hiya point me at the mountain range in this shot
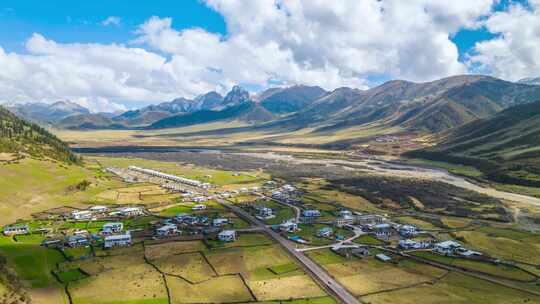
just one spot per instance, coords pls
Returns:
(430, 106)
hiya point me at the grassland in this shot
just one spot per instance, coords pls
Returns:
(503, 271)
(453, 288)
(33, 185)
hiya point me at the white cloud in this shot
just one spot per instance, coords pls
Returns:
(317, 42)
(111, 20)
(515, 53)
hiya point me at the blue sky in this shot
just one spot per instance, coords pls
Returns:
(80, 21)
(154, 51)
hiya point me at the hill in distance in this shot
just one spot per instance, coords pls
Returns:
(47, 113)
(506, 147)
(18, 136)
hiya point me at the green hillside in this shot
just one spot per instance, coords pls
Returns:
(19, 136)
(506, 147)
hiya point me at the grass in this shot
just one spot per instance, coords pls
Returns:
(33, 185)
(456, 169)
(504, 243)
(508, 272)
(422, 224)
(454, 288)
(33, 264)
(368, 240)
(71, 275)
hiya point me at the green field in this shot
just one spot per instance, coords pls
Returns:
(507, 272)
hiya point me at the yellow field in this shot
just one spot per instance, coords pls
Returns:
(295, 287)
(225, 289)
(456, 289)
(157, 251)
(190, 266)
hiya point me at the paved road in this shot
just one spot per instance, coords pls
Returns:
(312, 268)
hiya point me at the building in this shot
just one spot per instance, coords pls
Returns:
(408, 231)
(382, 230)
(111, 228)
(76, 241)
(344, 221)
(198, 207)
(170, 177)
(446, 247)
(344, 213)
(288, 226)
(411, 244)
(218, 222)
(98, 209)
(166, 230)
(325, 232)
(369, 219)
(264, 212)
(81, 215)
(383, 257)
(118, 240)
(227, 236)
(16, 229)
(311, 213)
(131, 211)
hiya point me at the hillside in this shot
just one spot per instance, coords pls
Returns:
(19, 136)
(292, 99)
(245, 111)
(47, 113)
(506, 147)
(432, 106)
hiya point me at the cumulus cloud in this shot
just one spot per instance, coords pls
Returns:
(314, 42)
(111, 20)
(515, 53)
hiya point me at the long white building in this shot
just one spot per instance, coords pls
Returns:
(170, 177)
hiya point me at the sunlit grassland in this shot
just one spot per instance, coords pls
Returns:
(34, 185)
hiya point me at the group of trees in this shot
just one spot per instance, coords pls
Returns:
(17, 135)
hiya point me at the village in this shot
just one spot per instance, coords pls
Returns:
(342, 230)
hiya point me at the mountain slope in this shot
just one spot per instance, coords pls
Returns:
(432, 106)
(506, 147)
(47, 113)
(19, 136)
(245, 111)
(291, 99)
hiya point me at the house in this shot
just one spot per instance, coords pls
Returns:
(265, 213)
(288, 188)
(344, 220)
(16, 229)
(410, 244)
(325, 232)
(166, 230)
(98, 209)
(198, 207)
(446, 247)
(369, 219)
(288, 226)
(383, 257)
(311, 213)
(408, 230)
(218, 222)
(464, 252)
(111, 228)
(76, 241)
(344, 213)
(81, 215)
(200, 199)
(360, 252)
(382, 230)
(227, 236)
(131, 211)
(117, 240)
